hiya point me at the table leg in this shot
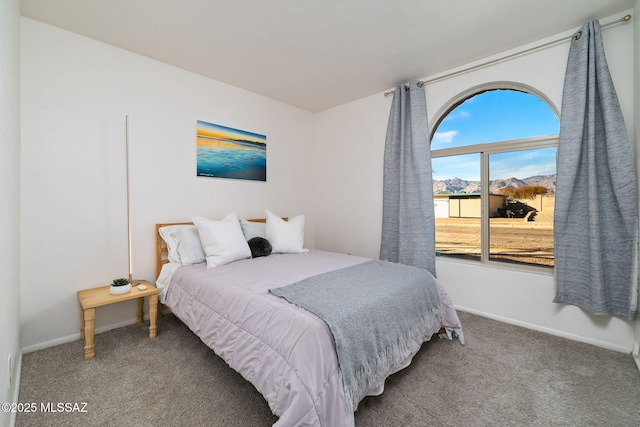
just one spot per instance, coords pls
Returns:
(153, 315)
(89, 329)
(140, 309)
(81, 323)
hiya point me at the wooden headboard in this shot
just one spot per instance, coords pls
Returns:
(161, 248)
(162, 254)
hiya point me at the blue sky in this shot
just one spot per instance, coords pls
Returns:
(497, 115)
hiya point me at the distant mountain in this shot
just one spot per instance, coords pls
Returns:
(548, 181)
(498, 184)
(457, 185)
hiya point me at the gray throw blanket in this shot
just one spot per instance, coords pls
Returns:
(378, 312)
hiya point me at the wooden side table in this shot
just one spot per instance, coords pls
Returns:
(89, 299)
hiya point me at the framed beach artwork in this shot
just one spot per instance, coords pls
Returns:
(225, 152)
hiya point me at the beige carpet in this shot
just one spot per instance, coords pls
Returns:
(503, 376)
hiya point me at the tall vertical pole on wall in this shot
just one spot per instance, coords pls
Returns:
(129, 255)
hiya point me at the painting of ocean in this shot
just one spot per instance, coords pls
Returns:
(225, 152)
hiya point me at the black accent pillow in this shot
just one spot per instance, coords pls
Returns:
(259, 247)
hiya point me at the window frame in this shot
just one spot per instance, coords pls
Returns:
(485, 150)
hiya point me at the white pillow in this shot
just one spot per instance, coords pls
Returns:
(222, 241)
(286, 237)
(171, 240)
(183, 244)
(253, 229)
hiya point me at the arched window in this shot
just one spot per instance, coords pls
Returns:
(493, 152)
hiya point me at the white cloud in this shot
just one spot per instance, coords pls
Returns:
(444, 137)
(457, 115)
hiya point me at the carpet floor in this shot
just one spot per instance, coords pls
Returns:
(504, 375)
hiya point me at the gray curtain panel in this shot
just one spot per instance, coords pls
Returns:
(596, 218)
(408, 224)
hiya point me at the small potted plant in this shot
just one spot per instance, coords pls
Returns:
(120, 286)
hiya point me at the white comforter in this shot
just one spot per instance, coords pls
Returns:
(286, 352)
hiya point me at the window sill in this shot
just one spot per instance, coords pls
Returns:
(542, 271)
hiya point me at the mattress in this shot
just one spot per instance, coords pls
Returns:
(285, 351)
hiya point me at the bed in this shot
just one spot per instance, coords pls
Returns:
(287, 352)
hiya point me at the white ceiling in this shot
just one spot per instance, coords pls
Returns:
(316, 54)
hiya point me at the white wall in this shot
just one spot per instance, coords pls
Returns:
(10, 206)
(348, 153)
(75, 95)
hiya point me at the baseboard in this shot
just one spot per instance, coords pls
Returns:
(16, 389)
(76, 336)
(573, 337)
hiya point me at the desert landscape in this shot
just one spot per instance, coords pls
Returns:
(518, 240)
